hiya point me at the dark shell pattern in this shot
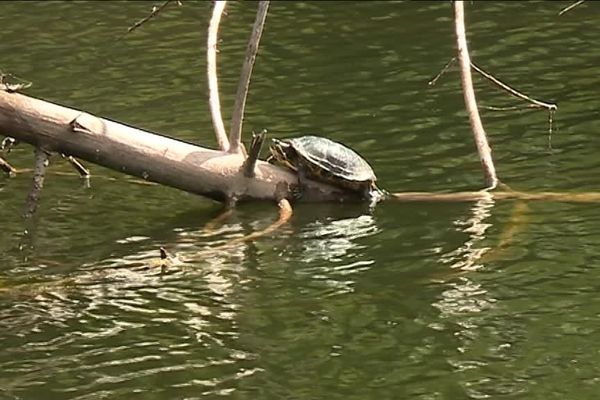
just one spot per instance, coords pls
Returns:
(334, 160)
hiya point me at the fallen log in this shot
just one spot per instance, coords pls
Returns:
(211, 173)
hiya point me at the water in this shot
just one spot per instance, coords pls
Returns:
(420, 300)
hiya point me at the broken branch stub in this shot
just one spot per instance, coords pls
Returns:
(255, 148)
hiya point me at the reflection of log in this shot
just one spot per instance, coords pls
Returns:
(214, 174)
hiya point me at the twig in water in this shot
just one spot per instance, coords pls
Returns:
(79, 167)
(483, 148)
(509, 108)
(255, 147)
(442, 72)
(235, 134)
(569, 8)
(211, 72)
(33, 198)
(155, 11)
(7, 168)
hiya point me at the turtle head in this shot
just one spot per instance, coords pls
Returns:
(282, 153)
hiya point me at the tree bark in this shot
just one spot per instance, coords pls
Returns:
(215, 174)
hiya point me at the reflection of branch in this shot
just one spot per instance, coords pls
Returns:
(476, 228)
(285, 213)
(483, 148)
(235, 135)
(211, 71)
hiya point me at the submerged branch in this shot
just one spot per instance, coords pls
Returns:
(39, 172)
(564, 197)
(237, 118)
(211, 72)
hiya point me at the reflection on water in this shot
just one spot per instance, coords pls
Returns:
(333, 240)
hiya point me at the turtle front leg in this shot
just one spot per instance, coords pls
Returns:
(298, 191)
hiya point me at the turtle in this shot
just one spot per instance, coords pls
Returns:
(322, 159)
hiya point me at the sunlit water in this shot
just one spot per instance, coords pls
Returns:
(419, 300)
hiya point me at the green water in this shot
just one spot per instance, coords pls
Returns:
(339, 303)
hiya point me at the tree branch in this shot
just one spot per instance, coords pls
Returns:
(211, 71)
(153, 13)
(483, 148)
(237, 118)
(570, 7)
(215, 174)
(513, 92)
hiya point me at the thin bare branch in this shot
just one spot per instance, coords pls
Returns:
(513, 92)
(483, 148)
(442, 72)
(211, 71)
(242, 91)
(572, 6)
(155, 11)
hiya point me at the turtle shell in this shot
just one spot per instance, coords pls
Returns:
(333, 161)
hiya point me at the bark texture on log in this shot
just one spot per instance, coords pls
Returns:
(211, 173)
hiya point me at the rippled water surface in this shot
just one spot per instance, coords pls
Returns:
(416, 300)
